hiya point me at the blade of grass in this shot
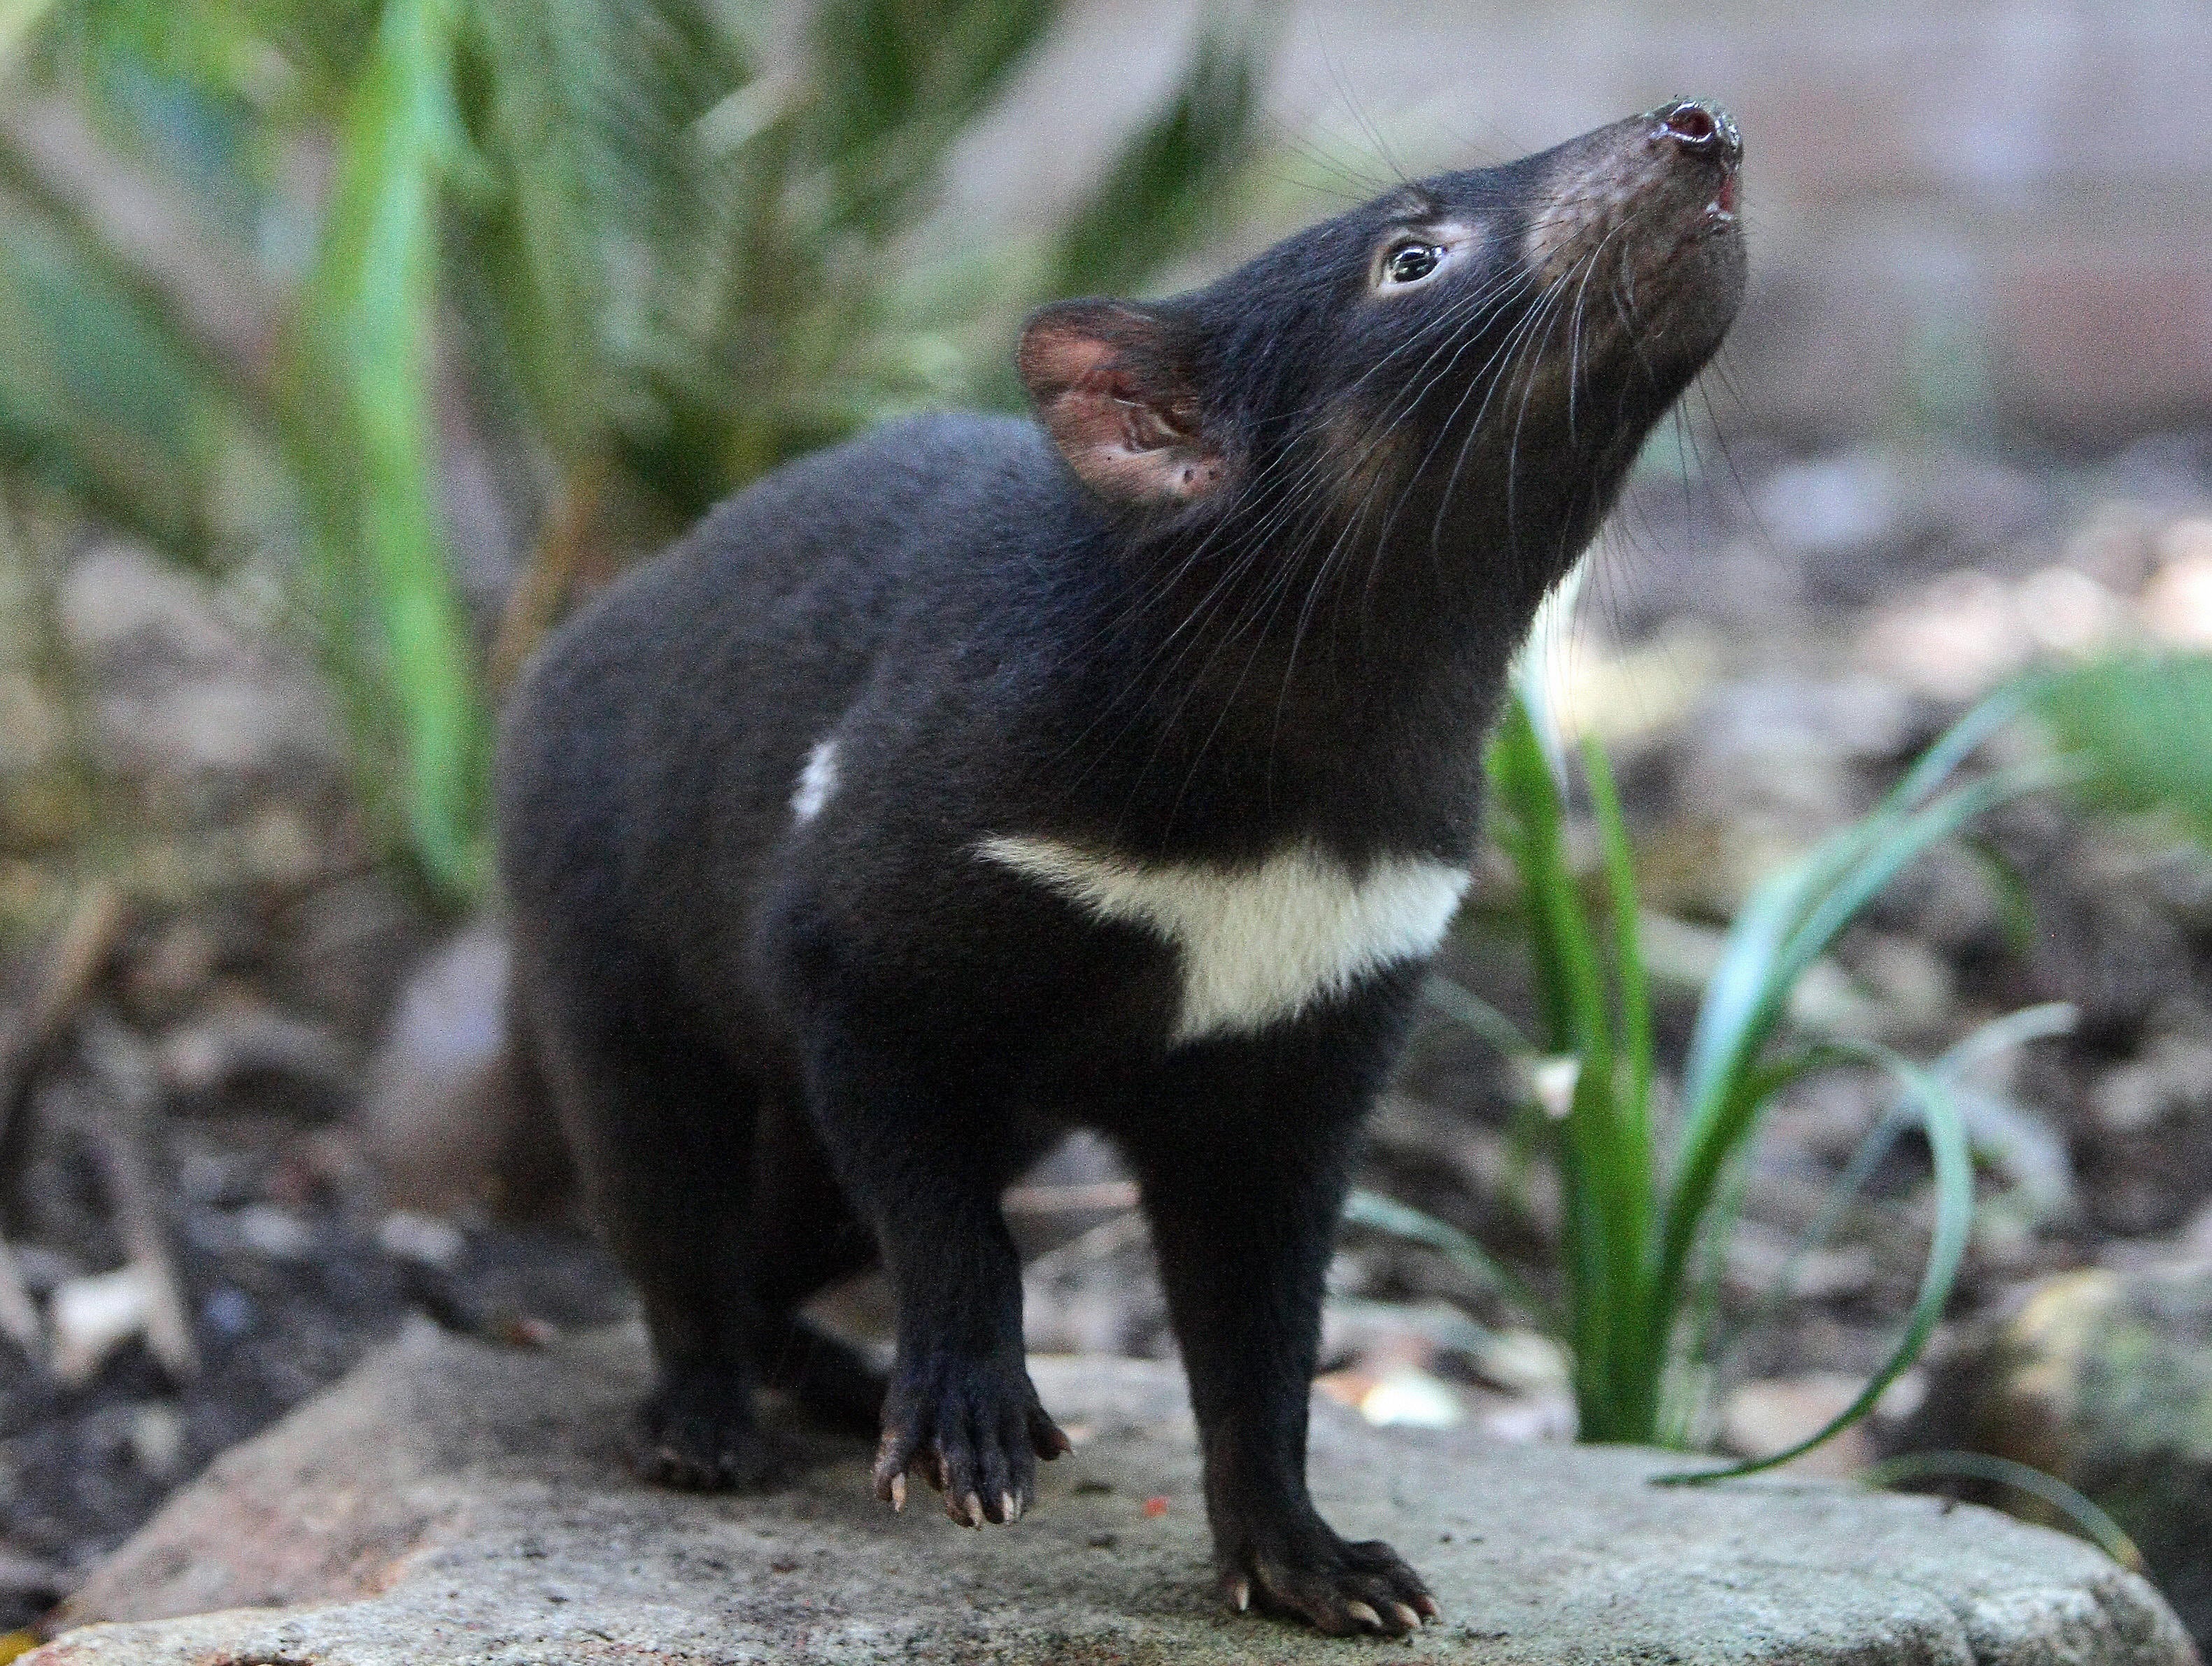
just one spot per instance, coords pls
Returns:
(1700, 1320)
(1388, 1215)
(1532, 814)
(1999, 1035)
(1954, 1213)
(1597, 1301)
(1757, 990)
(1687, 1354)
(1602, 1257)
(1793, 919)
(1959, 743)
(1747, 980)
(2096, 1525)
(1477, 1016)
(1903, 842)
(362, 429)
(1623, 1145)
(1630, 977)
(2043, 1022)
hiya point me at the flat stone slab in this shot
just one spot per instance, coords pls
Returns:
(454, 1503)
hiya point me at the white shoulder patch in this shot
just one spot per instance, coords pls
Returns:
(815, 782)
(1258, 944)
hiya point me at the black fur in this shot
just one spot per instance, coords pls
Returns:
(1260, 596)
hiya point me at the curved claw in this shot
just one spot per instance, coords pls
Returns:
(975, 1432)
(696, 1433)
(1335, 1587)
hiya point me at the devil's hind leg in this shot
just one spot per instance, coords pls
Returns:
(663, 1126)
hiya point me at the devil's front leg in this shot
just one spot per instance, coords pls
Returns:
(1244, 1173)
(923, 1148)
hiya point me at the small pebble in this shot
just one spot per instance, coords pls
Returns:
(409, 1236)
(229, 1312)
(275, 1232)
(94, 1316)
(156, 1437)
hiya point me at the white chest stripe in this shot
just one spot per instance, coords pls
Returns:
(1257, 944)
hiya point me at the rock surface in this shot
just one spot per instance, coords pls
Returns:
(451, 1502)
(2103, 1377)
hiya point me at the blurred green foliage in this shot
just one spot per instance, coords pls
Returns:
(667, 244)
(2139, 728)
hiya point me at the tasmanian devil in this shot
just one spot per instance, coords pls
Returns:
(983, 777)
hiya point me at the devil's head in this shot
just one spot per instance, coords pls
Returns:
(1468, 363)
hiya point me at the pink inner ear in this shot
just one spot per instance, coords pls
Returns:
(1125, 440)
(1054, 357)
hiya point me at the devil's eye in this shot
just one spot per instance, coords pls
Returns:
(1409, 263)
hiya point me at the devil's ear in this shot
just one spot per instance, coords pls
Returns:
(1115, 390)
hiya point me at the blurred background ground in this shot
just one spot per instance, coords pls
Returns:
(1965, 425)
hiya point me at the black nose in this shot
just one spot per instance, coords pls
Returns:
(1702, 128)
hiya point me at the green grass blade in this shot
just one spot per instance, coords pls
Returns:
(1902, 843)
(1687, 1349)
(1531, 817)
(1617, 1145)
(1791, 924)
(362, 430)
(2041, 1022)
(1744, 996)
(1708, 1264)
(1528, 805)
(1603, 1142)
(2096, 1525)
(1589, 1254)
(1996, 1037)
(1954, 1212)
(1719, 1108)
(1633, 983)
(1959, 743)
(1387, 1215)
(1793, 919)
(1477, 1016)
(1736, 996)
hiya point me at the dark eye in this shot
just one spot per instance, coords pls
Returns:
(1409, 263)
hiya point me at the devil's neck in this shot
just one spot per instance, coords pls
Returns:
(1339, 692)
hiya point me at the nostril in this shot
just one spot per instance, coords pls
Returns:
(1693, 124)
(1702, 128)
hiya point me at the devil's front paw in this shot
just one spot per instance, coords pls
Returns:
(1338, 1588)
(696, 1431)
(974, 1430)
